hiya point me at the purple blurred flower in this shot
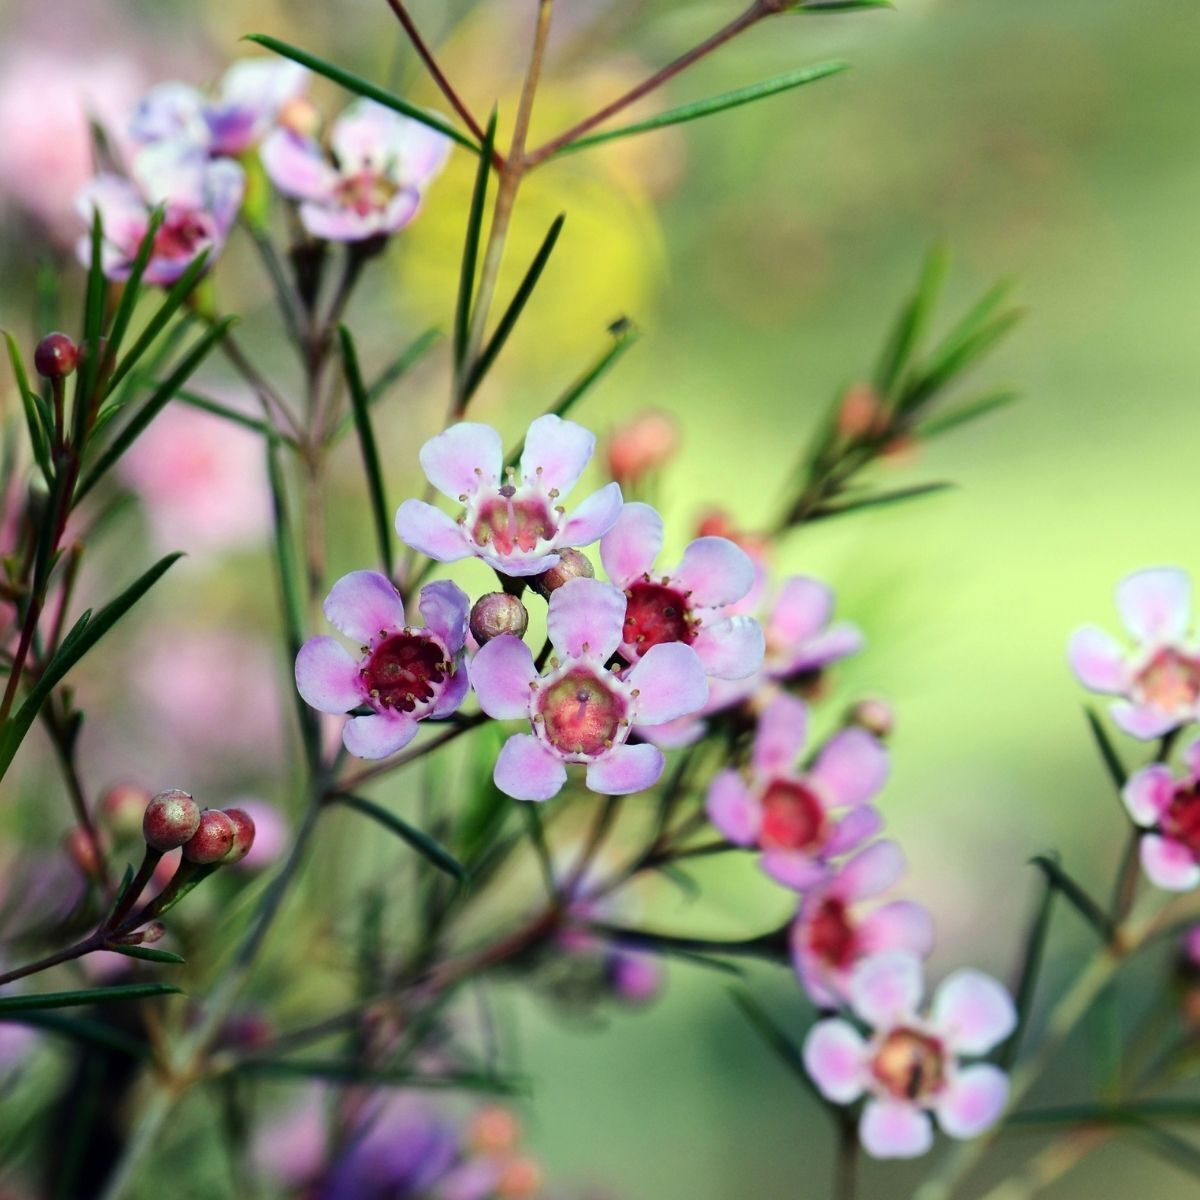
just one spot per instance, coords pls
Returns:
(1170, 809)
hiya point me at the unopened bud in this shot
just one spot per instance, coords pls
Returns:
(498, 613)
(520, 1179)
(212, 840)
(494, 1130)
(122, 806)
(301, 116)
(572, 564)
(154, 932)
(874, 715)
(170, 820)
(243, 834)
(642, 445)
(84, 850)
(861, 413)
(56, 356)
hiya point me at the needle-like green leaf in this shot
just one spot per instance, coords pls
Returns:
(131, 289)
(420, 841)
(103, 995)
(39, 424)
(1079, 899)
(910, 327)
(1108, 752)
(148, 954)
(470, 257)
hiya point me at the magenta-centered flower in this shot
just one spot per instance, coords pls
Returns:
(1170, 809)
(1159, 682)
(382, 164)
(404, 674)
(580, 711)
(910, 1066)
(201, 197)
(800, 820)
(513, 521)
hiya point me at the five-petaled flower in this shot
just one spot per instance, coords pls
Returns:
(404, 674)
(382, 164)
(1170, 809)
(514, 522)
(580, 710)
(909, 1067)
(792, 817)
(1160, 681)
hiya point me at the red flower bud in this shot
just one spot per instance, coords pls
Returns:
(213, 839)
(498, 613)
(122, 806)
(642, 445)
(494, 1130)
(874, 715)
(56, 356)
(243, 834)
(171, 818)
(571, 565)
(84, 851)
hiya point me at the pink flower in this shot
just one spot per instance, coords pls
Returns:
(382, 164)
(514, 527)
(1170, 808)
(247, 102)
(682, 606)
(910, 1065)
(831, 934)
(643, 444)
(403, 674)
(1160, 680)
(791, 817)
(580, 711)
(202, 198)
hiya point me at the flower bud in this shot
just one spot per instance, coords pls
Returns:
(56, 356)
(301, 116)
(572, 564)
(520, 1179)
(243, 834)
(213, 838)
(84, 851)
(170, 820)
(122, 806)
(861, 413)
(498, 613)
(642, 445)
(874, 715)
(636, 978)
(494, 1130)
(154, 932)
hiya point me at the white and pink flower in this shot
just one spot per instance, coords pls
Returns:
(1169, 809)
(514, 521)
(910, 1066)
(579, 710)
(404, 674)
(801, 634)
(382, 164)
(800, 820)
(1159, 681)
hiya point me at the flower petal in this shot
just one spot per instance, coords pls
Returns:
(856, 827)
(526, 770)
(781, 734)
(714, 571)
(802, 608)
(454, 691)
(669, 682)
(900, 925)
(732, 808)
(586, 613)
(625, 769)
(462, 459)
(972, 1011)
(841, 641)
(731, 648)
(1155, 603)
(973, 1101)
(851, 767)
(224, 187)
(363, 605)
(432, 532)
(1098, 660)
(885, 989)
(1169, 864)
(327, 676)
(444, 607)
(1148, 793)
(363, 134)
(593, 518)
(379, 735)
(871, 871)
(556, 453)
(1145, 721)
(794, 869)
(892, 1129)
(501, 674)
(629, 548)
(835, 1057)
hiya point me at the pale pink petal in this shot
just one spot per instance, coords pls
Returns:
(171, 111)
(365, 605)
(972, 1012)
(893, 1129)
(794, 870)
(625, 769)
(1148, 793)
(1144, 721)
(444, 607)
(801, 610)
(714, 571)
(1098, 660)
(454, 691)
(839, 642)
(731, 648)
(556, 453)
(336, 222)
(518, 565)
(973, 1101)
(224, 187)
(900, 925)
(851, 767)
(362, 135)
(263, 84)
(379, 735)
(432, 532)
(835, 1057)
(593, 518)
(1169, 864)
(885, 989)
(327, 676)
(629, 548)
(122, 210)
(420, 153)
(732, 808)
(526, 770)
(460, 460)
(1155, 603)
(398, 212)
(668, 682)
(586, 616)
(871, 871)
(171, 172)
(781, 734)
(502, 674)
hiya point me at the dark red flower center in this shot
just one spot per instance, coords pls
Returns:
(182, 234)
(1181, 821)
(910, 1064)
(831, 936)
(656, 613)
(511, 523)
(793, 817)
(1170, 680)
(405, 670)
(366, 192)
(581, 713)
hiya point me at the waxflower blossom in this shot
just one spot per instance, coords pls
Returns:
(796, 819)
(580, 711)
(1170, 809)
(910, 1066)
(403, 674)
(1159, 682)
(201, 198)
(514, 521)
(245, 104)
(382, 164)
(683, 605)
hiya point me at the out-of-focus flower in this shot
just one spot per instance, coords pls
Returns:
(290, 1146)
(910, 1066)
(270, 836)
(201, 198)
(203, 481)
(17, 1043)
(245, 105)
(684, 604)
(635, 976)
(404, 674)
(1170, 809)
(514, 527)
(641, 445)
(382, 164)
(580, 711)
(1159, 681)
(791, 817)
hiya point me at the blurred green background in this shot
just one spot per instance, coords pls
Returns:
(764, 253)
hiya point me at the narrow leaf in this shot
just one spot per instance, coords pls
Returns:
(1031, 965)
(421, 842)
(131, 289)
(878, 500)
(912, 323)
(148, 954)
(954, 360)
(470, 258)
(83, 1029)
(776, 1040)
(1108, 752)
(817, 7)
(102, 995)
(1087, 908)
(355, 1072)
(969, 411)
(205, 404)
(390, 375)
(35, 417)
